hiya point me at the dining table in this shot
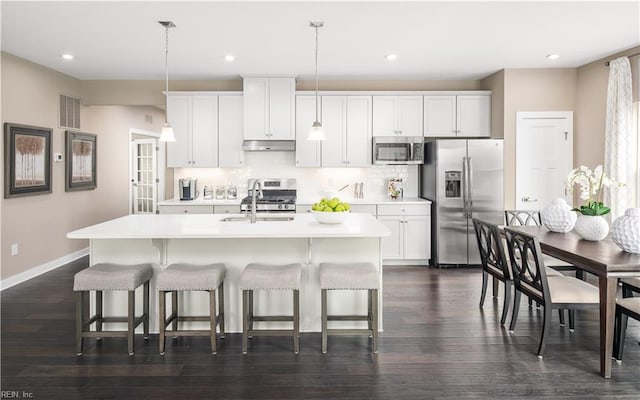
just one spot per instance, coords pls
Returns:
(603, 259)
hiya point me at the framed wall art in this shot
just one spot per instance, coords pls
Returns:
(27, 160)
(80, 164)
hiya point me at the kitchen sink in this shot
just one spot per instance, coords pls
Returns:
(260, 218)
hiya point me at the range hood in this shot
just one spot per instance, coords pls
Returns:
(269, 145)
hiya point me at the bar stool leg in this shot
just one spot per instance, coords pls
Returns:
(131, 316)
(370, 311)
(145, 310)
(296, 321)
(162, 296)
(174, 310)
(214, 322)
(221, 306)
(250, 311)
(375, 320)
(245, 320)
(324, 320)
(79, 321)
(99, 312)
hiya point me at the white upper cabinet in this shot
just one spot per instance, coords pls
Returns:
(358, 140)
(473, 115)
(397, 115)
(307, 151)
(463, 115)
(230, 123)
(347, 125)
(194, 120)
(269, 107)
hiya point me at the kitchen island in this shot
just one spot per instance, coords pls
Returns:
(202, 239)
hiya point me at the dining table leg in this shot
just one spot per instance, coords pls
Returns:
(608, 288)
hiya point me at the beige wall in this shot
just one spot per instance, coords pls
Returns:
(531, 90)
(39, 223)
(495, 83)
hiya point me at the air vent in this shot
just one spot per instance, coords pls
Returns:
(69, 112)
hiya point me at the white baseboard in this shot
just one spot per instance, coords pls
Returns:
(41, 269)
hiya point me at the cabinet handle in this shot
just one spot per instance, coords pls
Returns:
(185, 211)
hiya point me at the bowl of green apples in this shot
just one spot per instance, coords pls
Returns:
(330, 211)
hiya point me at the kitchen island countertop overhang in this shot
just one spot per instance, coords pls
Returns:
(163, 239)
(202, 226)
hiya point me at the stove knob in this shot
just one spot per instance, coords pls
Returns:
(280, 206)
(286, 206)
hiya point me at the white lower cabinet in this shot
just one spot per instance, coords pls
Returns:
(185, 209)
(410, 227)
(226, 209)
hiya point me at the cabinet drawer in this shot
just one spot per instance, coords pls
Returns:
(226, 209)
(364, 208)
(404, 209)
(303, 208)
(185, 209)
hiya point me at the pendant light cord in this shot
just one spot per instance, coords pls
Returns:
(316, 73)
(166, 74)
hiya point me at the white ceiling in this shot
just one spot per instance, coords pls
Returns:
(433, 40)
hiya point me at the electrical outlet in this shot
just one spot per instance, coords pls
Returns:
(14, 249)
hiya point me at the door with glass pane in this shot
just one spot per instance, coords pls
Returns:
(144, 179)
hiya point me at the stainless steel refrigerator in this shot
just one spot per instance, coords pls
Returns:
(464, 179)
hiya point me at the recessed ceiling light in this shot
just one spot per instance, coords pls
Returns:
(229, 57)
(67, 56)
(391, 57)
(553, 56)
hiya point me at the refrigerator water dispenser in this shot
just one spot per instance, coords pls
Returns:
(452, 181)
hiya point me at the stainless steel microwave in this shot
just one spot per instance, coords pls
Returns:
(398, 150)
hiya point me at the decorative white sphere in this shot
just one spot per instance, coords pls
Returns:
(625, 231)
(557, 216)
(592, 227)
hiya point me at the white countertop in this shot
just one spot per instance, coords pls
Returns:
(371, 200)
(200, 201)
(202, 226)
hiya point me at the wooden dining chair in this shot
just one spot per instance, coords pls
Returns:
(530, 278)
(532, 218)
(493, 260)
(627, 306)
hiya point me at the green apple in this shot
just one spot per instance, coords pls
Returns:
(333, 202)
(328, 209)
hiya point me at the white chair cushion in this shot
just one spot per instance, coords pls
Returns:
(554, 262)
(349, 276)
(552, 272)
(269, 277)
(572, 290)
(106, 276)
(191, 277)
(630, 303)
(635, 282)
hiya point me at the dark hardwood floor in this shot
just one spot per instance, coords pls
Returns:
(437, 344)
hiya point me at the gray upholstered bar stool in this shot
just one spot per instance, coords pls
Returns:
(188, 277)
(106, 277)
(350, 276)
(270, 277)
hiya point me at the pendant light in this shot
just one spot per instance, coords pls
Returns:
(167, 132)
(316, 132)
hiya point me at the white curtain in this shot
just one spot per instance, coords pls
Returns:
(619, 139)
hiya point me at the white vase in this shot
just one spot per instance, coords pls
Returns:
(592, 227)
(558, 217)
(625, 231)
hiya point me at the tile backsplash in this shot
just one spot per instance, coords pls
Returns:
(312, 182)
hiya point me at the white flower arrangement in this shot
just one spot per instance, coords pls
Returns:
(591, 184)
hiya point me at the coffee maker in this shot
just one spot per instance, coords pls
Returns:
(187, 188)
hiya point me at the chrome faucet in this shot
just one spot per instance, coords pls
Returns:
(253, 198)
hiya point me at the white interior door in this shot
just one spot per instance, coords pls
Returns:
(144, 178)
(544, 157)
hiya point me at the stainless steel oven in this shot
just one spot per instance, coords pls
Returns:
(398, 150)
(278, 196)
